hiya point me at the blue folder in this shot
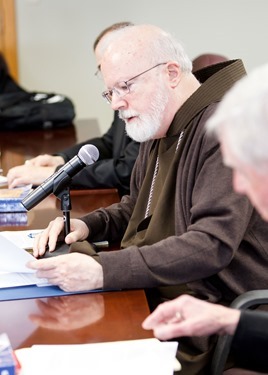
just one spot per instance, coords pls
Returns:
(33, 291)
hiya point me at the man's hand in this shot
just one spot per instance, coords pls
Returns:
(45, 161)
(79, 231)
(71, 272)
(26, 174)
(35, 171)
(189, 316)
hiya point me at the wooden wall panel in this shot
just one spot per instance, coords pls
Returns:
(8, 37)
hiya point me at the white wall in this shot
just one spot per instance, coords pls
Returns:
(55, 39)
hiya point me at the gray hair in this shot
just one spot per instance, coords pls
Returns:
(165, 48)
(242, 117)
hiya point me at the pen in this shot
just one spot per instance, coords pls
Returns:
(33, 235)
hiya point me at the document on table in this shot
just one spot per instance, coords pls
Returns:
(13, 258)
(13, 269)
(23, 238)
(147, 356)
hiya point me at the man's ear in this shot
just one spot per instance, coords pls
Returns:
(174, 73)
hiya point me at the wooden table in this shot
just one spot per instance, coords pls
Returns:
(95, 317)
(75, 319)
(16, 147)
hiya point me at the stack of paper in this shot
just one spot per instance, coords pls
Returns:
(148, 356)
(22, 238)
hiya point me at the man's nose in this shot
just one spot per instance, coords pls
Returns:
(118, 102)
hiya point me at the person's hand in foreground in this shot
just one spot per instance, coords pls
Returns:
(72, 272)
(49, 237)
(46, 160)
(35, 171)
(189, 316)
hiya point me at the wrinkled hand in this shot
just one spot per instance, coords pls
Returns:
(189, 316)
(69, 312)
(45, 161)
(27, 174)
(72, 272)
(34, 171)
(78, 231)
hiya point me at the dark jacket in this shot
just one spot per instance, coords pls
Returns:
(118, 154)
(199, 235)
(200, 232)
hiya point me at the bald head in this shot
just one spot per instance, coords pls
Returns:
(144, 45)
(131, 42)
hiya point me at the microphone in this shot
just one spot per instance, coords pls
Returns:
(87, 155)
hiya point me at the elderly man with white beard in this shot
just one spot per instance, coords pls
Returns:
(182, 228)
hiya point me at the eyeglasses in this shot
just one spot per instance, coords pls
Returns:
(123, 88)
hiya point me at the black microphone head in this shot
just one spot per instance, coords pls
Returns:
(88, 154)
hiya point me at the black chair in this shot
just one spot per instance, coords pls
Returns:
(223, 346)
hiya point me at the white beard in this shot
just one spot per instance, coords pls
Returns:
(146, 126)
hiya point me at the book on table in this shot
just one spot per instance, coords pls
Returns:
(10, 199)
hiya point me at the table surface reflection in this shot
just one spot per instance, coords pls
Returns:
(75, 319)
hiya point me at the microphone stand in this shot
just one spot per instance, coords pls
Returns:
(66, 206)
(62, 191)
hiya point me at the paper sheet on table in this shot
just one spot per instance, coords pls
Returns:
(13, 258)
(23, 238)
(15, 279)
(13, 270)
(148, 356)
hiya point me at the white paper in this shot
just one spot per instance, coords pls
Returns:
(12, 279)
(25, 238)
(22, 238)
(148, 356)
(13, 258)
(13, 269)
